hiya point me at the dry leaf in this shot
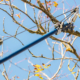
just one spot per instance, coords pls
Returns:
(18, 15)
(46, 2)
(37, 66)
(17, 77)
(39, 76)
(42, 3)
(68, 48)
(69, 69)
(73, 72)
(1, 0)
(7, 0)
(46, 66)
(55, 4)
(48, 9)
(79, 15)
(38, 69)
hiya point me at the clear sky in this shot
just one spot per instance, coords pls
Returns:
(11, 45)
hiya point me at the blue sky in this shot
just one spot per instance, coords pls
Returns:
(11, 45)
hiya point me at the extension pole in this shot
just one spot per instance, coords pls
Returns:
(27, 46)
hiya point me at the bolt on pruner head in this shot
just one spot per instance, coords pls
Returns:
(59, 27)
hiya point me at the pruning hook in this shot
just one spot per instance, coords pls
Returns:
(76, 13)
